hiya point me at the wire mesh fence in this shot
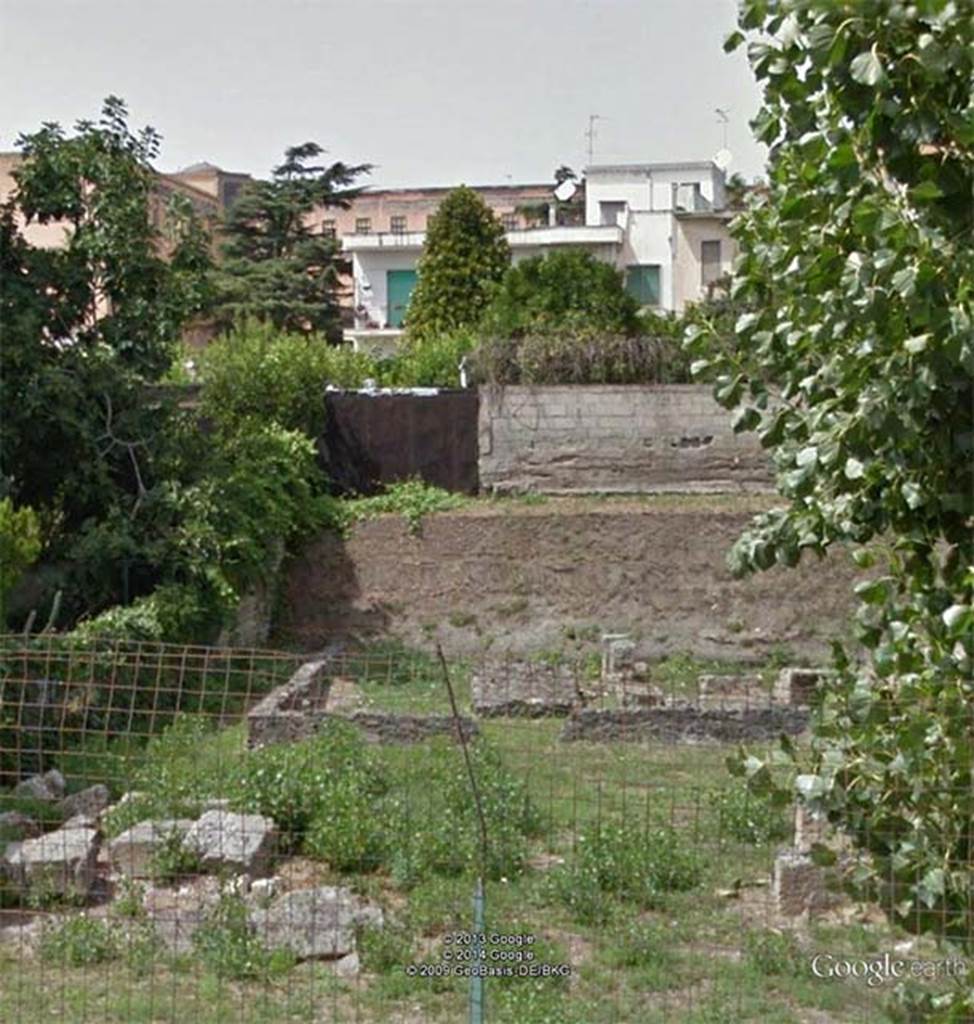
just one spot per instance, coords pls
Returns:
(226, 835)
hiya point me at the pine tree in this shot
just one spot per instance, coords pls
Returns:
(275, 266)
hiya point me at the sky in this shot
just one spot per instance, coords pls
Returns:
(431, 92)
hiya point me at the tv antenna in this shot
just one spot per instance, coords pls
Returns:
(722, 120)
(590, 134)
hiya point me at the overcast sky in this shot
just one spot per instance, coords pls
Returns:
(430, 91)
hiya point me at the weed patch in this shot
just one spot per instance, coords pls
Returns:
(226, 944)
(80, 941)
(636, 865)
(412, 499)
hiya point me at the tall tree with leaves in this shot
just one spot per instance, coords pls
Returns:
(465, 256)
(854, 362)
(86, 325)
(277, 265)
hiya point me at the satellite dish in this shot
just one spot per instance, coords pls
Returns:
(723, 159)
(565, 190)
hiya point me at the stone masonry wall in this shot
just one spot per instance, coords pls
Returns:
(616, 439)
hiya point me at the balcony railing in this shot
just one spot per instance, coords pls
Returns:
(375, 317)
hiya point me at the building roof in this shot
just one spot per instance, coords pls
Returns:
(443, 189)
(203, 165)
(697, 165)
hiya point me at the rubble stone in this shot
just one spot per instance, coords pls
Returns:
(132, 852)
(799, 884)
(797, 686)
(91, 801)
(60, 863)
(314, 923)
(48, 787)
(231, 841)
(14, 825)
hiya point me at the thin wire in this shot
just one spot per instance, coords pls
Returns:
(466, 756)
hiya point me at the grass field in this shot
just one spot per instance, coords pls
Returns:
(643, 867)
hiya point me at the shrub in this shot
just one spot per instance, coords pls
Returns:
(746, 816)
(413, 499)
(20, 544)
(257, 372)
(296, 783)
(774, 952)
(646, 944)
(633, 864)
(173, 861)
(579, 356)
(130, 901)
(561, 290)
(171, 612)
(183, 766)
(385, 950)
(350, 835)
(441, 835)
(228, 946)
(428, 361)
(80, 941)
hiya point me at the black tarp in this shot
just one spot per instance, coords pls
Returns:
(380, 438)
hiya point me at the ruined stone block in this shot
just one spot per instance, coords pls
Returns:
(797, 686)
(60, 863)
(314, 923)
(229, 841)
(799, 885)
(132, 853)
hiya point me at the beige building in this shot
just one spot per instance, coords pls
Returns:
(206, 204)
(407, 210)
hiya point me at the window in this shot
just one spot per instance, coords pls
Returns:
(709, 262)
(509, 221)
(397, 225)
(689, 197)
(328, 229)
(609, 213)
(363, 225)
(642, 283)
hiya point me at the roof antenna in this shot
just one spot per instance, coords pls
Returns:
(723, 119)
(590, 134)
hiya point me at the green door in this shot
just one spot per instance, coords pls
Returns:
(399, 286)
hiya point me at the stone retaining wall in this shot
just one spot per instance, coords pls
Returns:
(508, 580)
(616, 439)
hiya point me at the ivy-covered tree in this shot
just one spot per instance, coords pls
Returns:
(463, 260)
(86, 324)
(854, 361)
(562, 290)
(277, 265)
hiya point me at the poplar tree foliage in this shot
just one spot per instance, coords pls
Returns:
(463, 261)
(277, 265)
(853, 360)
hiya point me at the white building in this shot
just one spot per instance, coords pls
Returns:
(663, 225)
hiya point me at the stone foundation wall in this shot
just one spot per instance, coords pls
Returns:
(675, 724)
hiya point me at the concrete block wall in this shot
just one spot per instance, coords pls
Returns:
(622, 439)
